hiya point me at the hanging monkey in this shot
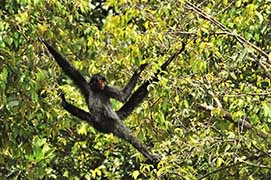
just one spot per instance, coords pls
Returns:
(97, 95)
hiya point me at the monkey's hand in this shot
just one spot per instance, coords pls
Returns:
(141, 68)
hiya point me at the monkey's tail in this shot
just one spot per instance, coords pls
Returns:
(123, 132)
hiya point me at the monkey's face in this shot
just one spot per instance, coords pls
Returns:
(97, 82)
(101, 84)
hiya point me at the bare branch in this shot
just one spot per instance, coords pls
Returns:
(256, 165)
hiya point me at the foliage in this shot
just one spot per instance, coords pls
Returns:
(208, 117)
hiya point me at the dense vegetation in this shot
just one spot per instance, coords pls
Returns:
(208, 117)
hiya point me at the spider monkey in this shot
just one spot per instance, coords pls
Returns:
(97, 95)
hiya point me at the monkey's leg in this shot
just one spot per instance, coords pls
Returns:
(121, 131)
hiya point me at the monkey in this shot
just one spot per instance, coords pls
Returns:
(97, 95)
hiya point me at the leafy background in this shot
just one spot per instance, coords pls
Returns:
(208, 117)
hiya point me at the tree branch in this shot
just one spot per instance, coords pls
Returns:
(228, 31)
(228, 116)
(219, 169)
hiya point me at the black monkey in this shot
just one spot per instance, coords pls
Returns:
(97, 95)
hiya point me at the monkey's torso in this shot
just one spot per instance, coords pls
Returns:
(100, 107)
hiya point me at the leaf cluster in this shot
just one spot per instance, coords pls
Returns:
(209, 116)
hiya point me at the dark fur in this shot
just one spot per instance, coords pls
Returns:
(101, 115)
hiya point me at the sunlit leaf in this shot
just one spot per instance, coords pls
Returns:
(135, 174)
(266, 109)
(224, 68)
(219, 161)
(82, 129)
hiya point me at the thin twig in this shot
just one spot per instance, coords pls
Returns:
(220, 169)
(262, 151)
(235, 164)
(256, 165)
(228, 31)
(246, 94)
(224, 28)
(228, 116)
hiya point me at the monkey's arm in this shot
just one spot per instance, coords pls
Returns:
(81, 114)
(139, 95)
(124, 94)
(75, 75)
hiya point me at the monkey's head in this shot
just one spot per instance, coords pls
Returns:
(97, 82)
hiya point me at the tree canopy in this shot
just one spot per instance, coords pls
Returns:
(209, 116)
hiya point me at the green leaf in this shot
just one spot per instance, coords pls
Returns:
(219, 161)
(3, 78)
(135, 174)
(266, 109)
(82, 129)
(260, 17)
(13, 103)
(233, 75)
(238, 3)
